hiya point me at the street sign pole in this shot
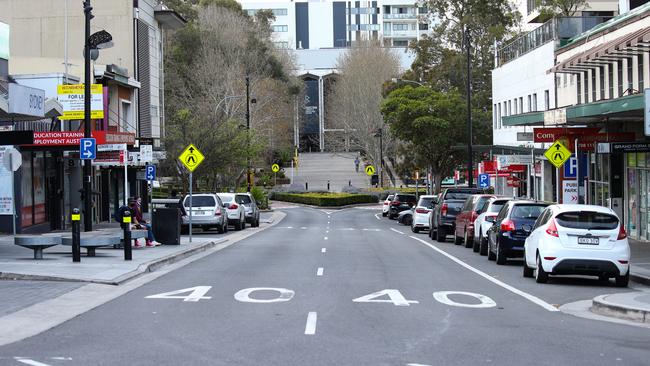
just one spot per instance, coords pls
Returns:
(191, 206)
(577, 169)
(13, 194)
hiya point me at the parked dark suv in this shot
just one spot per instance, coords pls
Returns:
(400, 202)
(443, 216)
(506, 237)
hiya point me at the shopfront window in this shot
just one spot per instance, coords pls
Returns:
(637, 195)
(599, 182)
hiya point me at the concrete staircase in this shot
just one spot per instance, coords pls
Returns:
(317, 168)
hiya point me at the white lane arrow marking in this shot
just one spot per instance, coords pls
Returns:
(310, 326)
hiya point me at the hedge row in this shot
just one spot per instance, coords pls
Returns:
(325, 199)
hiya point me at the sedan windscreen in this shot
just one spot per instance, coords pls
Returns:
(243, 199)
(531, 212)
(587, 220)
(200, 201)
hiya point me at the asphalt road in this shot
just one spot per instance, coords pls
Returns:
(322, 269)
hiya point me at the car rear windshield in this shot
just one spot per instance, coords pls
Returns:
(587, 220)
(390, 197)
(405, 198)
(200, 201)
(242, 198)
(482, 202)
(460, 195)
(225, 199)
(425, 201)
(531, 212)
(496, 206)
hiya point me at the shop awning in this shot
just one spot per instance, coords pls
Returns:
(625, 46)
(524, 119)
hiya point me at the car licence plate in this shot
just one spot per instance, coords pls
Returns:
(588, 240)
(198, 213)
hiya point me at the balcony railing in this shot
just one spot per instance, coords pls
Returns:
(401, 16)
(401, 34)
(559, 29)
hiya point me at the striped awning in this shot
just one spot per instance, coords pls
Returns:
(625, 46)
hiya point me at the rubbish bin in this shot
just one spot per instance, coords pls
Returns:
(167, 225)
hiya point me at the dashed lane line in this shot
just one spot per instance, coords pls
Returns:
(323, 250)
(319, 272)
(31, 362)
(532, 298)
(310, 326)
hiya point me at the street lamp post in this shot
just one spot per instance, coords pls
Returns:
(470, 163)
(88, 224)
(248, 135)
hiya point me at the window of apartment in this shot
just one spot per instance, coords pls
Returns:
(400, 27)
(281, 45)
(586, 91)
(640, 72)
(547, 99)
(400, 43)
(494, 117)
(619, 66)
(510, 108)
(280, 28)
(564, 77)
(505, 109)
(630, 77)
(423, 10)
(279, 12)
(423, 26)
(610, 78)
(387, 27)
(530, 104)
(386, 9)
(594, 87)
(414, 26)
(515, 103)
(601, 76)
(534, 102)
(251, 12)
(579, 89)
(521, 104)
(499, 116)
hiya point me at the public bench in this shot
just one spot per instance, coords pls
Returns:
(37, 242)
(92, 241)
(135, 234)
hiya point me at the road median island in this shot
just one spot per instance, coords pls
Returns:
(325, 199)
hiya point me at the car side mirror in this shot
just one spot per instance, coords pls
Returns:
(526, 228)
(491, 219)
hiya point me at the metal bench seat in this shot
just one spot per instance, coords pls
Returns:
(92, 241)
(37, 242)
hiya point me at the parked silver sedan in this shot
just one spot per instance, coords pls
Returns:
(236, 212)
(251, 209)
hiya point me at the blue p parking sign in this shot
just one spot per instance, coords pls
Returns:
(150, 172)
(88, 149)
(484, 180)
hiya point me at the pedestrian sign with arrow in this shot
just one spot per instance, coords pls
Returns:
(191, 157)
(370, 170)
(557, 154)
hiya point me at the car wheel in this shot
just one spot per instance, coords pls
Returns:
(441, 235)
(468, 242)
(415, 229)
(603, 278)
(220, 229)
(243, 223)
(476, 243)
(457, 240)
(541, 276)
(431, 233)
(622, 281)
(257, 222)
(225, 226)
(528, 272)
(491, 256)
(483, 246)
(501, 257)
(238, 225)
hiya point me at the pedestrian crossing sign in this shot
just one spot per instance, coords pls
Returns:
(191, 157)
(370, 170)
(557, 154)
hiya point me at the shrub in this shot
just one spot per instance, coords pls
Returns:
(325, 199)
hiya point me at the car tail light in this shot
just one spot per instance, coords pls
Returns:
(396, 203)
(622, 261)
(552, 229)
(233, 206)
(443, 209)
(621, 233)
(507, 225)
(385, 203)
(217, 213)
(550, 258)
(421, 210)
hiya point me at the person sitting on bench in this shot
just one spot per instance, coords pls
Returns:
(135, 205)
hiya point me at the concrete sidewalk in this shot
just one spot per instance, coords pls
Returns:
(634, 306)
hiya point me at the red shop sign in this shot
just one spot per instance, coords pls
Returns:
(73, 138)
(552, 134)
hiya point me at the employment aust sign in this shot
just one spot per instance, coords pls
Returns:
(73, 138)
(72, 99)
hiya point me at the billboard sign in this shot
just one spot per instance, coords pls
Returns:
(71, 98)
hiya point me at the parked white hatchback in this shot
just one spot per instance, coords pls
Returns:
(236, 212)
(386, 206)
(578, 239)
(422, 213)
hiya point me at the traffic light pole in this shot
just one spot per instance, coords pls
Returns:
(248, 136)
(470, 163)
(86, 195)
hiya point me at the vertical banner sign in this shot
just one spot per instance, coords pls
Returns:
(6, 196)
(646, 114)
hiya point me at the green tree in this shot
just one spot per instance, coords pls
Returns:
(566, 8)
(427, 121)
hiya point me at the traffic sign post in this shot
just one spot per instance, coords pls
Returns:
(191, 157)
(557, 154)
(484, 180)
(88, 149)
(12, 160)
(275, 168)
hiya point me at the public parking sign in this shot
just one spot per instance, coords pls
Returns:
(88, 149)
(484, 180)
(150, 172)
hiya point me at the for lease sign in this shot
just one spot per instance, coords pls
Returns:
(71, 98)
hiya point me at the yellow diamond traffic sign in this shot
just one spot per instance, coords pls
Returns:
(275, 168)
(191, 157)
(370, 170)
(557, 154)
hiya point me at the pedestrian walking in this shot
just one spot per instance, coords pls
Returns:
(356, 164)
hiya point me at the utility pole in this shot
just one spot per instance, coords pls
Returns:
(470, 163)
(248, 136)
(87, 172)
(381, 157)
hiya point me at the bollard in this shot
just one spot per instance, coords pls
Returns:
(328, 185)
(76, 239)
(306, 186)
(349, 183)
(126, 226)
